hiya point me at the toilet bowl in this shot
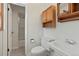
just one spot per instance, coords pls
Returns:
(39, 51)
(42, 50)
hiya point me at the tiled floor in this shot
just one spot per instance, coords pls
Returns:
(18, 52)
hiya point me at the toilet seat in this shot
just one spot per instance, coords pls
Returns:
(39, 51)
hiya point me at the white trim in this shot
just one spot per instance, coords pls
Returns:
(19, 4)
(5, 30)
(9, 24)
(26, 32)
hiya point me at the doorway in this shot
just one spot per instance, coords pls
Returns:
(16, 30)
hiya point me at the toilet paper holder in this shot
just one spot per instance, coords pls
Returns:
(32, 40)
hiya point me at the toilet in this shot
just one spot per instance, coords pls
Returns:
(39, 51)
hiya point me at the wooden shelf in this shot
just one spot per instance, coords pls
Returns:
(47, 22)
(69, 17)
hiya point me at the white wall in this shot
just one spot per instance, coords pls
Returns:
(35, 30)
(1, 33)
(1, 39)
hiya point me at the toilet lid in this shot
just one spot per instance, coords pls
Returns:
(38, 49)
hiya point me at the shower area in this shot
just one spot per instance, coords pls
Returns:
(21, 30)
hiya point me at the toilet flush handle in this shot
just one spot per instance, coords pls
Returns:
(52, 40)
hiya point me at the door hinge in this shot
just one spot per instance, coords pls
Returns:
(8, 49)
(8, 9)
(12, 32)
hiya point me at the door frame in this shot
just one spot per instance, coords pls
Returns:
(4, 45)
(9, 30)
(5, 32)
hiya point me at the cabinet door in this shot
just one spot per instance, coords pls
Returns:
(49, 17)
(44, 16)
(54, 17)
(49, 14)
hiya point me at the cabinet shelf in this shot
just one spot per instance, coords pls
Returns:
(69, 17)
(47, 22)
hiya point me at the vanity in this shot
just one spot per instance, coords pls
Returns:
(56, 49)
(53, 46)
(68, 47)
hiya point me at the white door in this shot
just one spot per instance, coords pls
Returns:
(12, 29)
(15, 19)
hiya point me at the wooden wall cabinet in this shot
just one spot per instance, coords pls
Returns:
(49, 17)
(71, 14)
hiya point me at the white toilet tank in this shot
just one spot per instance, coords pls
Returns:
(44, 42)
